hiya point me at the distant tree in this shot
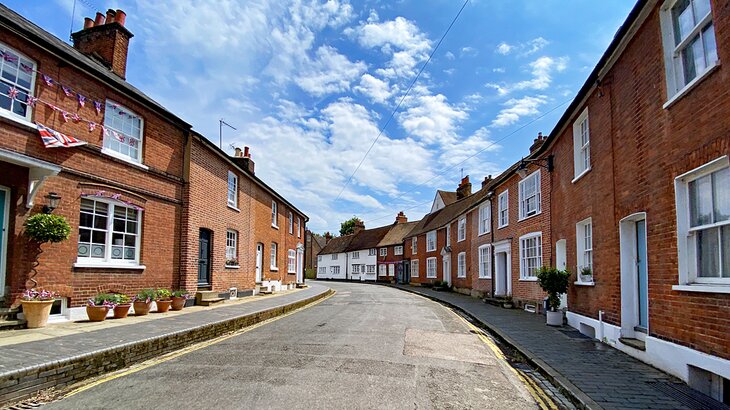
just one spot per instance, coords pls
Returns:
(348, 226)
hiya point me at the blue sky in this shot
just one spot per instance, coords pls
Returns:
(309, 84)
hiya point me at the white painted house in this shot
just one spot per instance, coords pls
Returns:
(333, 258)
(352, 257)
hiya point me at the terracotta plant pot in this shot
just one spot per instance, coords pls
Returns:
(142, 308)
(163, 305)
(36, 312)
(97, 313)
(178, 303)
(121, 311)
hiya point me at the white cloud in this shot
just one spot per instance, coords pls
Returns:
(330, 72)
(518, 108)
(374, 88)
(534, 45)
(431, 118)
(504, 48)
(468, 52)
(498, 70)
(449, 55)
(523, 49)
(542, 71)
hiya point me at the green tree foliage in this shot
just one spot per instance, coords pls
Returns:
(44, 228)
(348, 226)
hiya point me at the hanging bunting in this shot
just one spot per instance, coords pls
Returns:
(75, 117)
(67, 91)
(26, 68)
(116, 197)
(13, 93)
(48, 80)
(9, 57)
(82, 100)
(30, 100)
(97, 107)
(92, 126)
(54, 139)
(65, 116)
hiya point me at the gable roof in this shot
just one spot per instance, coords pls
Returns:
(397, 233)
(319, 239)
(444, 216)
(369, 238)
(336, 245)
(448, 197)
(23, 27)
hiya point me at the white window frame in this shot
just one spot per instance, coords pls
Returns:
(334, 270)
(372, 252)
(291, 266)
(414, 245)
(581, 150)
(274, 214)
(110, 141)
(485, 261)
(584, 246)
(677, 86)
(534, 178)
(356, 268)
(291, 223)
(231, 247)
(273, 257)
(383, 251)
(524, 259)
(461, 231)
(382, 270)
(319, 258)
(334, 256)
(299, 227)
(397, 250)
(431, 241)
(356, 255)
(414, 268)
(29, 109)
(461, 265)
(107, 261)
(431, 267)
(232, 190)
(322, 270)
(371, 268)
(687, 235)
(503, 209)
(448, 235)
(485, 218)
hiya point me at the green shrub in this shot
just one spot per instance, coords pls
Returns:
(44, 228)
(163, 294)
(146, 295)
(310, 273)
(554, 282)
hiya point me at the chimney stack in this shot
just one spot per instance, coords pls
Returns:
(106, 39)
(238, 153)
(537, 142)
(247, 161)
(358, 227)
(464, 189)
(327, 237)
(401, 218)
(487, 181)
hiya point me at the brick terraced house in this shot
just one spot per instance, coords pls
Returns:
(391, 264)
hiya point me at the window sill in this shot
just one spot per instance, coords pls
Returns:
(527, 279)
(528, 217)
(18, 120)
(584, 283)
(273, 269)
(274, 226)
(704, 288)
(460, 277)
(483, 233)
(232, 266)
(504, 226)
(692, 84)
(98, 265)
(579, 176)
(291, 272)
(114, 154)
(462, 240)
(430, 277)
(234, 208)
(485, 277)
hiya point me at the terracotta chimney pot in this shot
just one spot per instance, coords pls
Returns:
(120, 17)
(110, 16)
(88, 23)
(99, 19)
(237, 152)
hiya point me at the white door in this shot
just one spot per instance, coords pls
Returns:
(300, 266)
(502, 271)
(391, 270)
(259, 261)
(561, 262)
(447, 269)
(4, 206)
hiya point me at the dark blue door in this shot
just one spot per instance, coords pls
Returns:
(642, 274)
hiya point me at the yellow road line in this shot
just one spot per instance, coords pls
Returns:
(542, 399)
(189, 349)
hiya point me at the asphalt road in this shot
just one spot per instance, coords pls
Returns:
(366, 347)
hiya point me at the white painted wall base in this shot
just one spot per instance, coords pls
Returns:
(669, 357)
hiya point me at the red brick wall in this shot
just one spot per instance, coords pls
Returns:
(637, 149)
(462, 284)
(479, 287)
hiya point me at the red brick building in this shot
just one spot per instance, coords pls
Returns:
(121, 192)
(641, 193)
(238, 232)
(391, 251)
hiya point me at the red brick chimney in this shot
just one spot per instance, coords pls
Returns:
(537, 143)
(106, 39)
(401, 218)
(487, 181)
(248, 162)
(358, 227)
(464, 189)
(327, 237)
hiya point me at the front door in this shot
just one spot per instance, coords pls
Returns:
(204, 246)
(500, 283)
(300, 265)
(447, 269)
(642, 276)
(259, 260)
(4, 205)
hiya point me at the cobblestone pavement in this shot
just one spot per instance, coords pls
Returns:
(609, 377)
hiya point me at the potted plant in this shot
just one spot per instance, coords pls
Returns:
(162, 300)
(507, 302)
(554, 282)
(37, 307)
(123, 303)
(586, 275)
(143, 301)
(98, 308)
(178, 299)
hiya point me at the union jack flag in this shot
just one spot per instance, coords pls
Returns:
(48, 80)
(82, 100)
(67, 91)
(66, 116)
(97, 107)
(54, 139)
(92, 126)
(9, 57)
(30, 100)
(13, 93)
(26, 68)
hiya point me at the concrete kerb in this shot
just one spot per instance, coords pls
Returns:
(22, 383)
(576, 395)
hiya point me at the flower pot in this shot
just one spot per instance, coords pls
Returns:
(36, 312)
(178, 303)
(554, 318)
(97, 313)
(163, 305)
(142, 308)
(586, 278)
(121, 311)
(507, 305)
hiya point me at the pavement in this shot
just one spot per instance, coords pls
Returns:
(594, 374)
(365, 347)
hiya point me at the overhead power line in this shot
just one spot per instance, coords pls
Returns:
(397, 107)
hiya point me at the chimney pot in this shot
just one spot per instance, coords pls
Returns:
(401, 218)
(246, 152)
(99, 19)
(358, 227)
(110, 16)
(237, 152)
(88, 23)
(464, 189)
(120, 17)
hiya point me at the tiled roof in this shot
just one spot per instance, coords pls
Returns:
(397, 232)
(337, 245)
(369, 238)
(448, 197)
(443, 216)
